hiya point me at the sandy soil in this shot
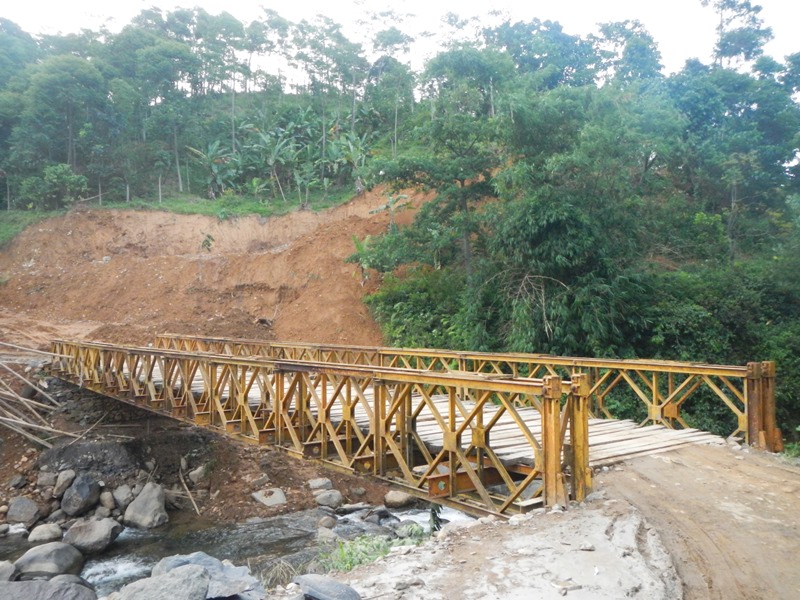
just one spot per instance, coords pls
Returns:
(728, 518)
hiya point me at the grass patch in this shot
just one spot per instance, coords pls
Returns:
(366, 549)
(232, 206)
(13, 222)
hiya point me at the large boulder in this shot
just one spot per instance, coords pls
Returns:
(51, 559)
(147, 510)
(47, 532)
(225, 579)
(320, 587)
(23, 510)
(45, 590)
(81, 496)
(189, 582)
(93, 536)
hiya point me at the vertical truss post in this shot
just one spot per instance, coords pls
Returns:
(579, 437)
(379, 426)
(551, 442)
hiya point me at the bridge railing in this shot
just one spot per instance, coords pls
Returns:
(490, 443)
(663, 389)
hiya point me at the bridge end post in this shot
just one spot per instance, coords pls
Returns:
(554, 492)
(579, 437)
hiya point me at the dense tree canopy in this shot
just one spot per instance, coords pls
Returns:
(586, 203)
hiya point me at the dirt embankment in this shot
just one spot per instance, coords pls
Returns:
(123, 276)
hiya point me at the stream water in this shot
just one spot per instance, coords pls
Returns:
(136, 551)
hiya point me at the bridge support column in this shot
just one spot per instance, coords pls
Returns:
(579, 437)
(762, 430)
(554, 492)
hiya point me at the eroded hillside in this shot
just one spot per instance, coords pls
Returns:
(123, 276)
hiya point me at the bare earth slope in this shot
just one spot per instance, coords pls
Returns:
(122, 276)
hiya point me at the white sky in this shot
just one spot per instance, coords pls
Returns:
(682, 28)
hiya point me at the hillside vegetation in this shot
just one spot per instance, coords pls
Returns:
(585, 202)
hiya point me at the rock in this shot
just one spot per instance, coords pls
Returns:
(47, 494)
(7, 570)
(270, 497)
(200, 473)
(23, 510)
(184, 464)
(346, 509)
(358, 492)
(404, 584)
(81, 496)
(49, 532)
(123, 496)
(57, 516)
(328, 522)
(320, 587)
(398, 499)
(63, 481)
(330, 498)
(17, 481)
(90, 536)
(4, 527)
(46, 479)
(45, 590)
(321, 483)
(107, 500)
(101, 512)
(147, 510)
(189, 582)
(54, 558)
(225, 579)
(3, 509)
(587, 547)
(380, 516)
(259, 481)
(72, 579)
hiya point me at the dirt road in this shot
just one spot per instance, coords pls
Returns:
(729, 518)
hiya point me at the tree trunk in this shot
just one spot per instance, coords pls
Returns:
(159, 189)
(177, 158)
(100, 193)
(394, 140)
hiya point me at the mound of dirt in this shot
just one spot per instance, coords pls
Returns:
(123, 276)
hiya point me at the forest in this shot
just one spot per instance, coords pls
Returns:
(586, 203)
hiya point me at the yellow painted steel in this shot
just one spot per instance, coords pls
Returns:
(489, 443)
(662, 387)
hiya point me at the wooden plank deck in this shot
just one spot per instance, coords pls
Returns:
(610, 440)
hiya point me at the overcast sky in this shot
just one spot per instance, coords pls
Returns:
(682, 28)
